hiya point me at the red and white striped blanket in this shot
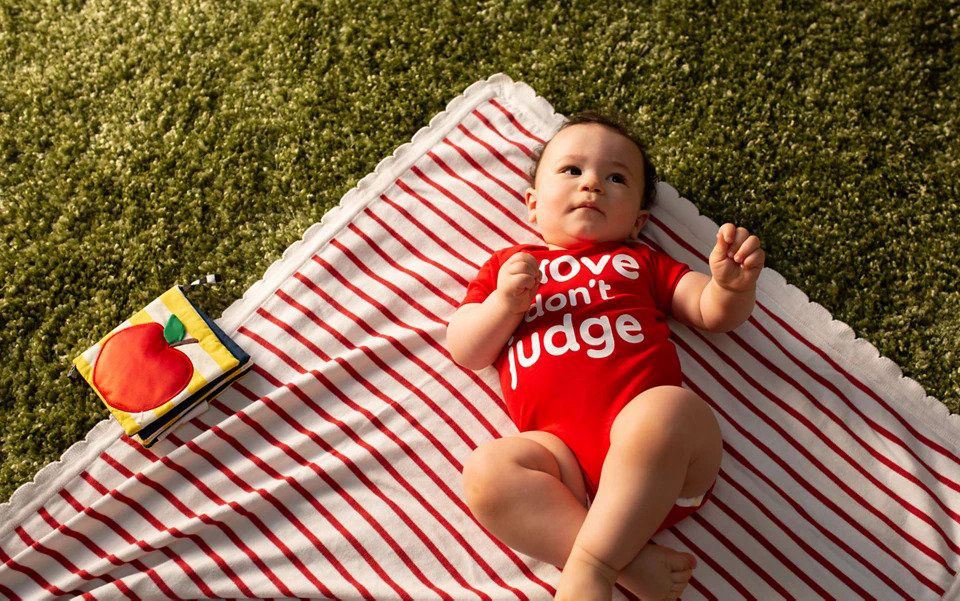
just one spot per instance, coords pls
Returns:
(332, 470)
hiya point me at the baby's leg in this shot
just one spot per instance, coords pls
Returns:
(527, 490)
(664, 444)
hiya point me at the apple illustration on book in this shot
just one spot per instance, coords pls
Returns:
(138, 367)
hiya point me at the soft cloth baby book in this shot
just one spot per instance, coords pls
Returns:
(161, 365)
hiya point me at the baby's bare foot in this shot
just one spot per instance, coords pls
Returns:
(585, 578)
(658, 573)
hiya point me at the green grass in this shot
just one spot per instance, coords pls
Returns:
(141, 147)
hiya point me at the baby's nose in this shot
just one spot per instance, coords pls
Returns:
(590, 183)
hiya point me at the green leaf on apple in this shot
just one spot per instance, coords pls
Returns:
(174, 331)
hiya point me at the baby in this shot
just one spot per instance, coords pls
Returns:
(611, 448)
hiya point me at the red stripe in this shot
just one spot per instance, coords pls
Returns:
(396, 290)
(387, 466)
(732, 513)
(254, 519)
(351, 501)
(523, 148)
(3, 589)
(442, 243)
(441, 349)
(799, 509)
(839, 451)
(741, 555)
(373, 419)
(353, 373)
(479, 217)
(413, 250)
(443, 215)
(267, 496)
(334, 485)
(710, 561)
(814, 429)
(840, 370)
(700, 588)
(806, 453)
(296, 485)
(516, 123)
(903, 422)
(373, 390)
(466, 156)
(811, 551)
(415, 390)
(393, 264)
(99, 552)
(483, 194)
(873, 424)
(129, 539)
(67, 564)
(812, 490)
(497, 154)
(171, 498)
(35, 576)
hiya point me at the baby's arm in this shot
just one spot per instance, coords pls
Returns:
(724, 301)
(477, 332)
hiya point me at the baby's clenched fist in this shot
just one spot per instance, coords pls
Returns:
(518, 281)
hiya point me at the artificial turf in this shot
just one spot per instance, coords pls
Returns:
(145, 143)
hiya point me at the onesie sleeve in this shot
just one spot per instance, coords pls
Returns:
(485, 281)
(666, 272)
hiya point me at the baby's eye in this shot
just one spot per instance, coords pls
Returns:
(617, 178)
(573, 169)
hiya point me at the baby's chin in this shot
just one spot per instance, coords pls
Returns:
(570, 243)
(584, 233)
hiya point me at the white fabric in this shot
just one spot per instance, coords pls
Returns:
(332, 469)
(690, 501)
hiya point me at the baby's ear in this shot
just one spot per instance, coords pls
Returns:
(530, 198)
(639, 223)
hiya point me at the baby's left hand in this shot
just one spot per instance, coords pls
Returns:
(737, 259)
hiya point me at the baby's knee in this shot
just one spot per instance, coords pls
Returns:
(493, 474)
(480, 484)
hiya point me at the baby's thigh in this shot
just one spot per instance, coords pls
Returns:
(494, 475)
(570, 473)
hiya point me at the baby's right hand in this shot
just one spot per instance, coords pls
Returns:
(518, 281)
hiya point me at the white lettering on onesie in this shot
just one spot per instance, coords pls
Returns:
(596, 333)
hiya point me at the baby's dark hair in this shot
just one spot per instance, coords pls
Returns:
(649, 195)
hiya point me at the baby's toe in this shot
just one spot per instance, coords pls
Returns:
(681, 579)
(675, 592)
(679, 562)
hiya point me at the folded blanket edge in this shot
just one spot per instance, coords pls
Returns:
(30, 495)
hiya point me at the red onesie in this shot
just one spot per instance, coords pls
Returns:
(593, 339)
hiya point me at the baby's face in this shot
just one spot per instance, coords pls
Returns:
(588, 188)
